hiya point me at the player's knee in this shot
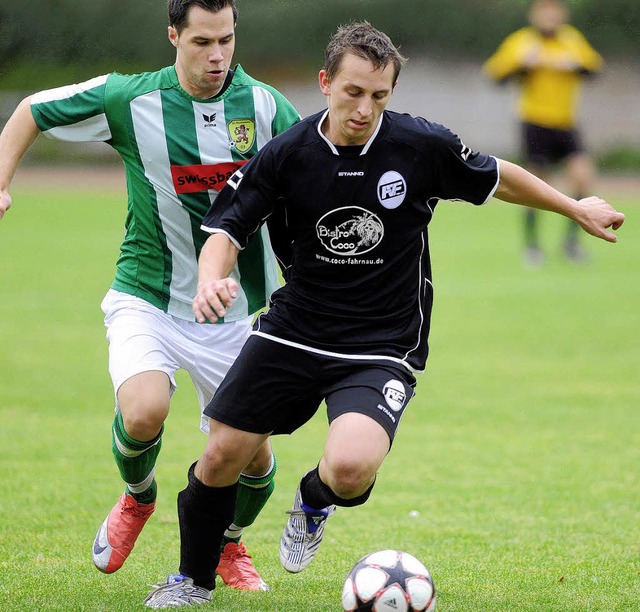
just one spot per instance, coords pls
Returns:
(350, 478)
(144, 421)
(144, 403)
(219, 464)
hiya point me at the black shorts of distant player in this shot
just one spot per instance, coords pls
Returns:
(275, 387)
(548, 146)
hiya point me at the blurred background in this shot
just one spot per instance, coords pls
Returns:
(45, 44)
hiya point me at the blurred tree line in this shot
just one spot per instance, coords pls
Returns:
(44, 44)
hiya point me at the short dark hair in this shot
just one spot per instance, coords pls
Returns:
(363, 40)
(178, 10)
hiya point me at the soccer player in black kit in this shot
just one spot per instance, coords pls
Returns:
(349, 193)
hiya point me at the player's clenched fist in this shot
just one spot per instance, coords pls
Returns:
(596, 216)
(213, 299)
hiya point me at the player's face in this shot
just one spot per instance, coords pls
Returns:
(357, 95)
(204, 50)
(547, 17)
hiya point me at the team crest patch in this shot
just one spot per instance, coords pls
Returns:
(242, 133)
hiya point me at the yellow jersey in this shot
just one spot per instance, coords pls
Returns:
(550, 68)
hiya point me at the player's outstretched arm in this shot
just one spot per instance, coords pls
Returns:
(216, 290)
(16, 138)
(596, 216)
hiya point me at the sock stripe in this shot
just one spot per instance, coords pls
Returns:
(259, 482)
(141, 487)
(126, 445)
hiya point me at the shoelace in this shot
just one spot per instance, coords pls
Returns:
(238, 553)
(136, 511)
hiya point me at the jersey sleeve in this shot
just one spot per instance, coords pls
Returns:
(75, 113)
(461, 173)
(589, 60)
(246, 201)
(509, 58)
(286, 114)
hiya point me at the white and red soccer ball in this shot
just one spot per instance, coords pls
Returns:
(389, 581)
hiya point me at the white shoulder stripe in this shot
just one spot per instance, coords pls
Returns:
(93, 129)
(67, 91)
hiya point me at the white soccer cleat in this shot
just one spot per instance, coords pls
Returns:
(302, 534)
(176, 592)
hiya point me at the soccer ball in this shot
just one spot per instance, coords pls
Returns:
(389, 581)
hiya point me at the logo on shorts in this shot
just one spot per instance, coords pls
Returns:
(391, 189)
(395, 395)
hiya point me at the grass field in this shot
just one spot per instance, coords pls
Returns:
(520, 452)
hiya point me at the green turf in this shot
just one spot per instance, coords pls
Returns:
(520, 451)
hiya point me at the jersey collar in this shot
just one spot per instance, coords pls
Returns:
(366, 147)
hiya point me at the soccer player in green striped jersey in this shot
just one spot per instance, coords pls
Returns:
(181, 133)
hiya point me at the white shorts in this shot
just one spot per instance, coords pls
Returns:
(143, 338)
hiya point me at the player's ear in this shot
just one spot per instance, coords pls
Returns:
(325, 82)
(173, 35)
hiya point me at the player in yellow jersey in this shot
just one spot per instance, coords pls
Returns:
(549, 59)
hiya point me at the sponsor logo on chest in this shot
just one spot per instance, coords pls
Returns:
(350, 230)
(201, 177)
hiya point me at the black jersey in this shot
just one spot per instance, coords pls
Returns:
(352, 232)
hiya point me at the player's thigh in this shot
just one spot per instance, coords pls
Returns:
(271, 388)
(214, 349)
(379, 392)
(141, 340)
(580, 171)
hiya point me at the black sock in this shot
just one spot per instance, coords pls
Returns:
(530, 229)
(204, 514)
(318, 495)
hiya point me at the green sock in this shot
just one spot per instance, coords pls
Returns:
(253, 493)
(136, 462)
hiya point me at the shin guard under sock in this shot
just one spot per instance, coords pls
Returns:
(136, 461)
(253, 493)
(204, 513)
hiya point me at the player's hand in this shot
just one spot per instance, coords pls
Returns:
(533, 57)
(5, 202)
(565, 63)
(213, 299)
(596, 216)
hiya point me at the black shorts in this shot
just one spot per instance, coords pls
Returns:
(276, 388)
(547, 146)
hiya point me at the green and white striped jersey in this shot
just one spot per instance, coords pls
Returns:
(178, 152)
